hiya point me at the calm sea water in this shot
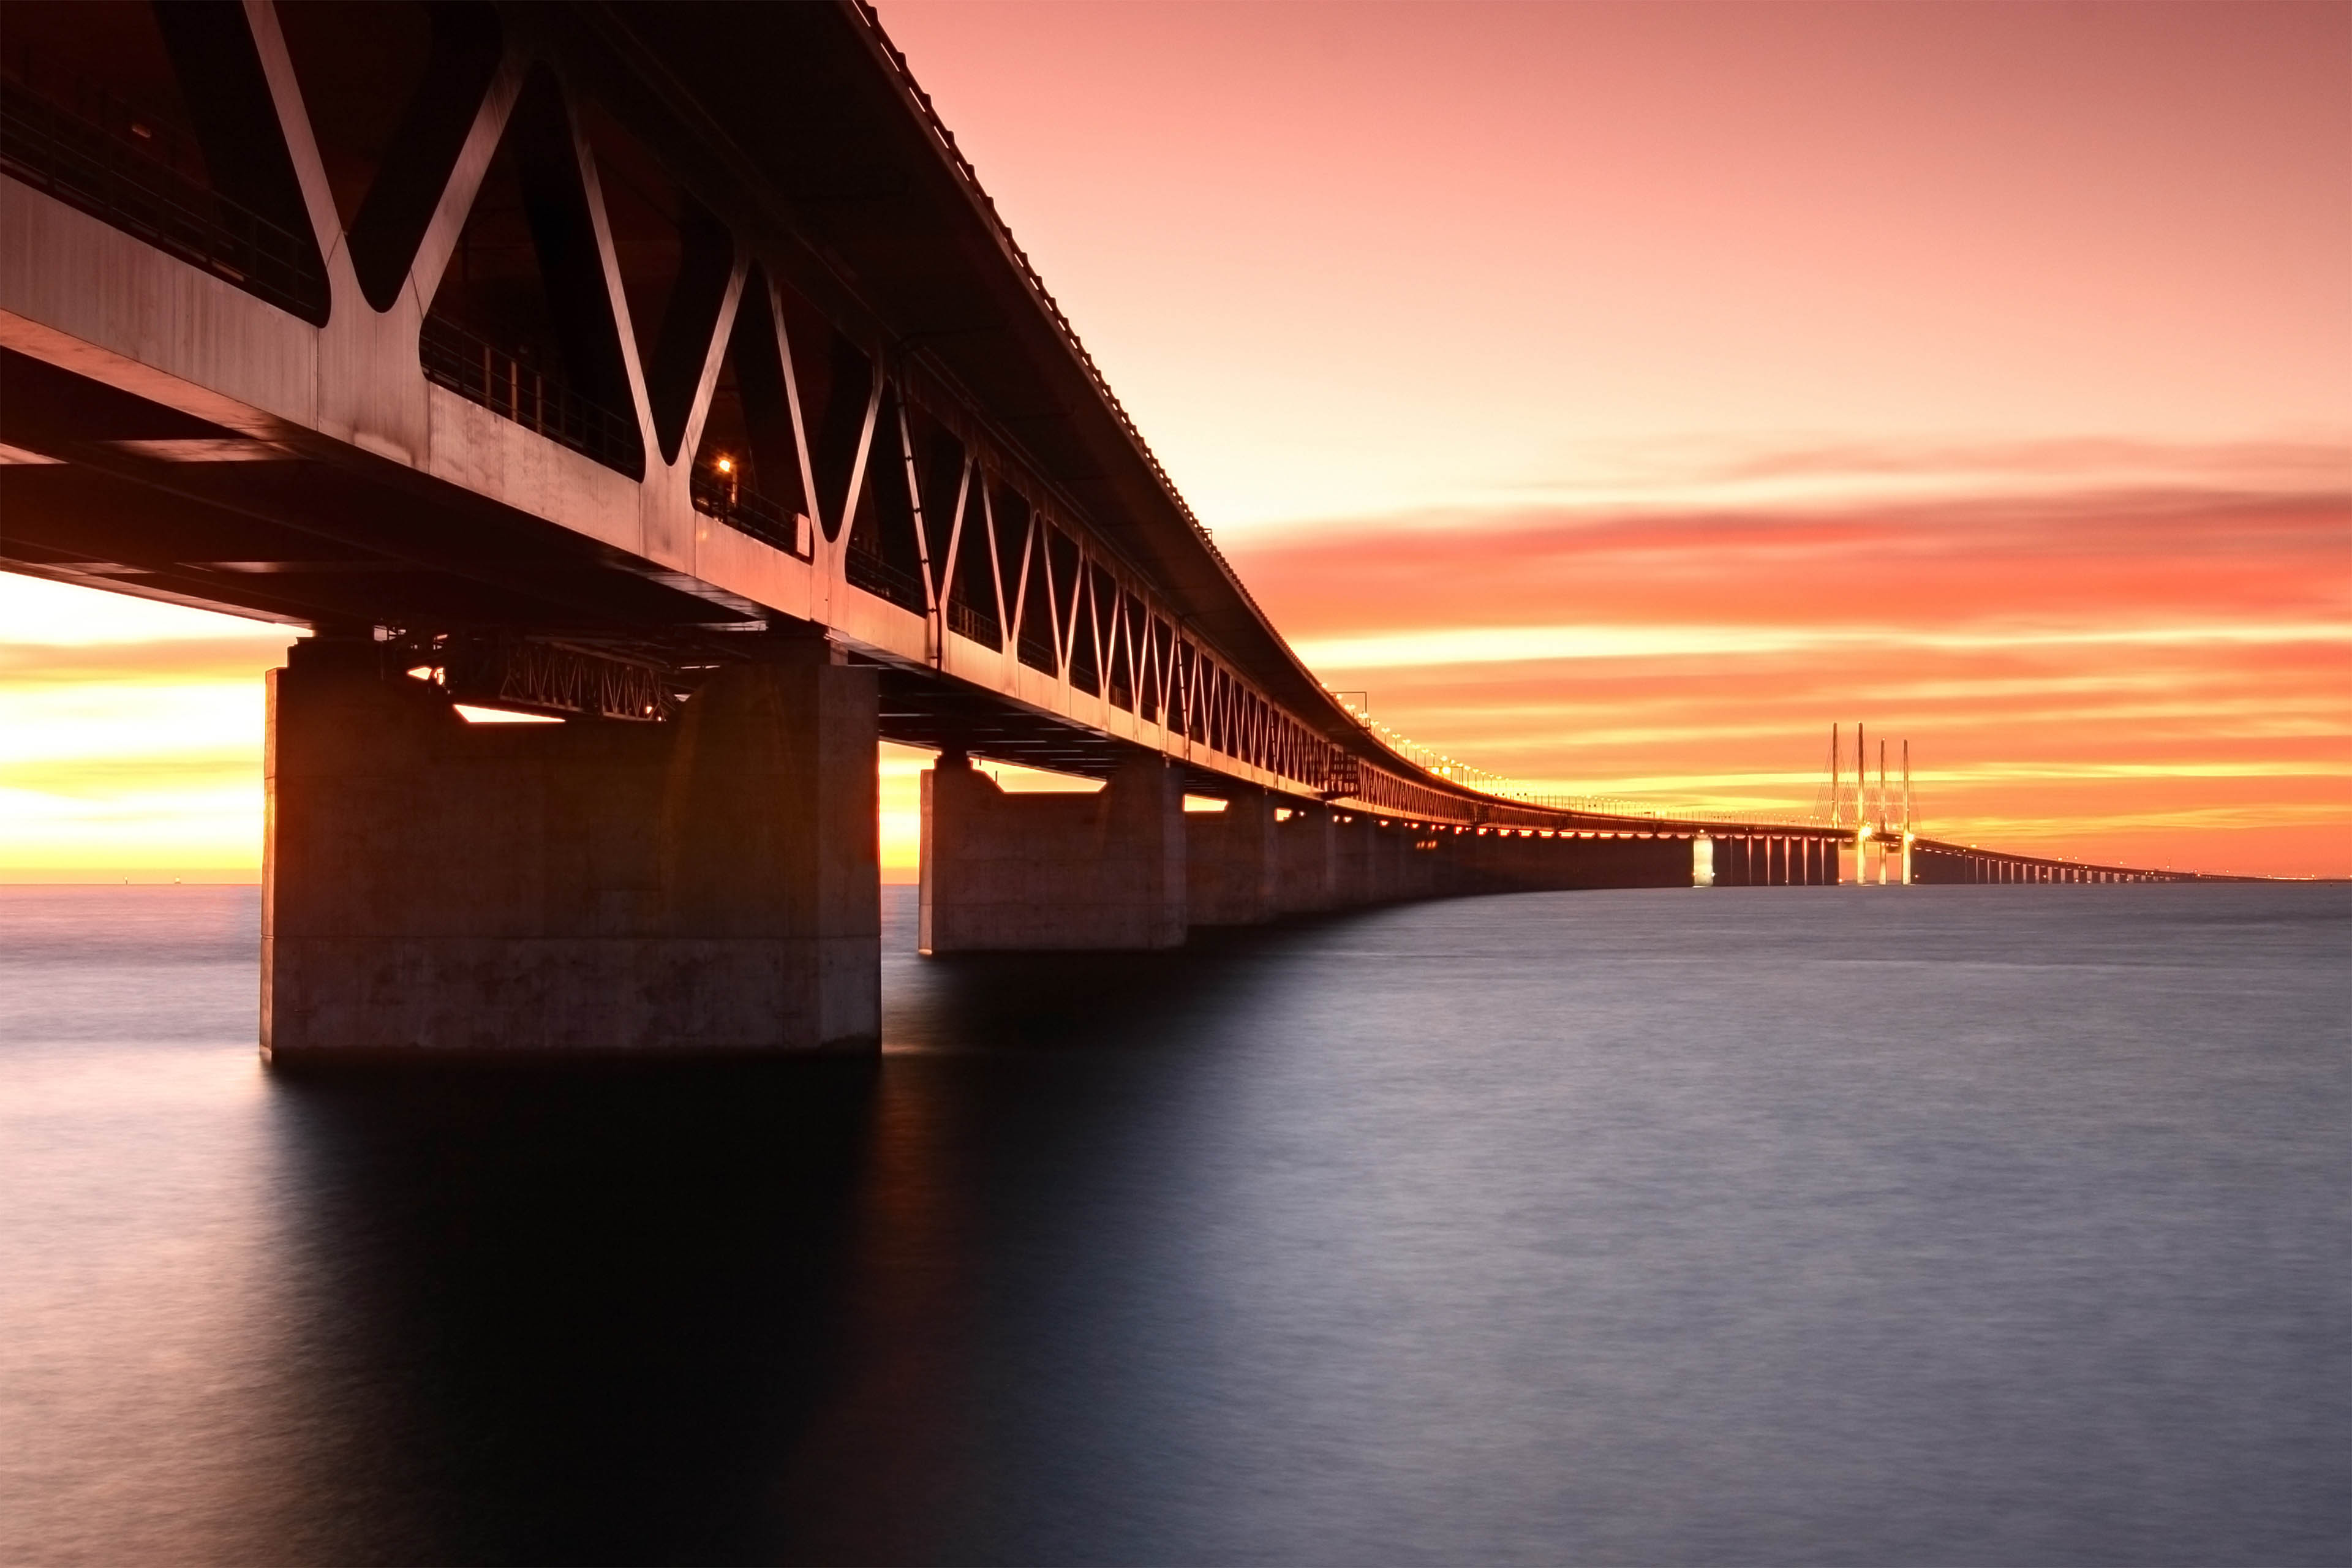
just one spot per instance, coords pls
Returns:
(1821, 1225)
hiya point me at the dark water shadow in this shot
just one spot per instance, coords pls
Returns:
(1517, 1229)
(564, 1314)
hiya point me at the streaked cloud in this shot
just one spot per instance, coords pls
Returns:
(2167, 656)
(1525, 645)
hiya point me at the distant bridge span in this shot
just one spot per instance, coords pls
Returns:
(663, 367)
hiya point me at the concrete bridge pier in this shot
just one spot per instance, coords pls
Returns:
(431, 886)
(1233, 862)
(1419, 873)
(1014, 873)
(1354, 873)
(1393, 871)
(1730, 862)
(1305, 861)
(1385, 849)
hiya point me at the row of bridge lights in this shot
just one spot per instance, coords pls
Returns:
(1882, 830)
(1462, 773)
(1436, 762)
(1458, 772)
(1429, 757)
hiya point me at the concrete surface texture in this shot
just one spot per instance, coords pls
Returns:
(705, 884)
(1035, 872)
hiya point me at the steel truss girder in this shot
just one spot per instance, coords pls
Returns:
(399, 500)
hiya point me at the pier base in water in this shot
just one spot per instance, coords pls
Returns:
(705, 885)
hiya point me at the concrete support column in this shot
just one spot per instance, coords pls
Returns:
(1233, 862)
(1352, 850)
(1305, 861)
(1421, 877)
(704, 885)
(1386, 864)
(1033, 872)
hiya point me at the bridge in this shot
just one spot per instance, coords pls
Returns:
(665, 369)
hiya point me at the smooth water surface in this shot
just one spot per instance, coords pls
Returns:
(1931, 1225)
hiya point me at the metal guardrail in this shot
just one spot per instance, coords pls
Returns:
(966, 621)
(747, 511)
(1038, 653)
(480, 372)
(866, 568)
(86, 167)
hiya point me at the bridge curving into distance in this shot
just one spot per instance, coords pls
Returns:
(665, 369)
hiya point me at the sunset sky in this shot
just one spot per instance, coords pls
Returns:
(1622, 394)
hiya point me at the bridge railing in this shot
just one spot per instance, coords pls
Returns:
(84, 164)
(747, 511)
(532, 396)
(867, 568)
(966, 621)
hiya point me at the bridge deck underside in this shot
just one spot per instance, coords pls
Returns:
(137, 496)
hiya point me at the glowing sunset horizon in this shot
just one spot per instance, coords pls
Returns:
(1620, 397)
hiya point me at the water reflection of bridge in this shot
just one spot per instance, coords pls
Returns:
(665, 370)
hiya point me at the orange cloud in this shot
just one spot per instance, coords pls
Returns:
(2154, 672)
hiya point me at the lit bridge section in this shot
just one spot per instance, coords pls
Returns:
(630, 330)
(664, 369)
